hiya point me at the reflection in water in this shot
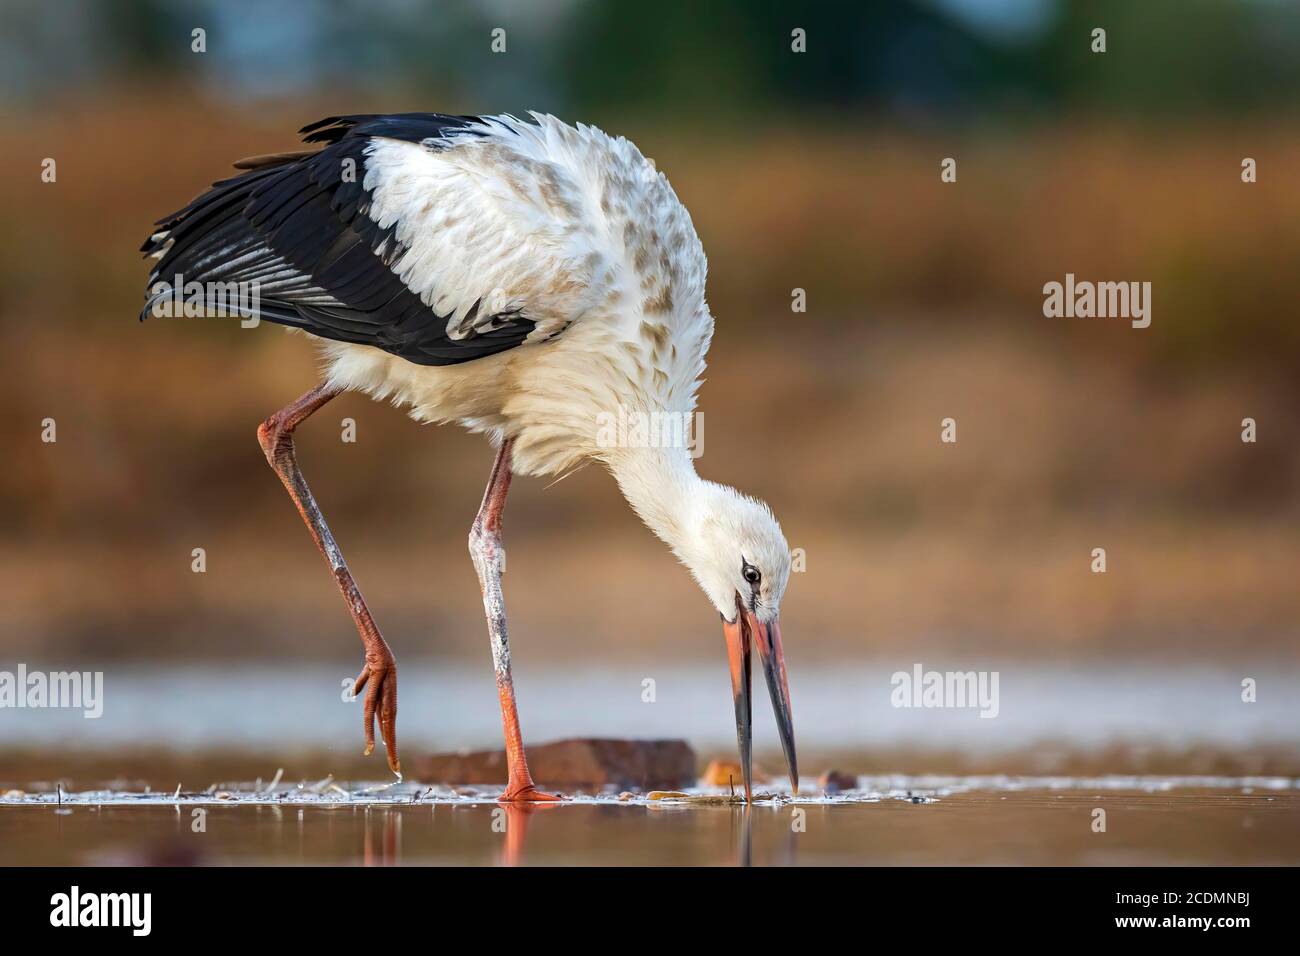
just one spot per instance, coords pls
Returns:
(389, 850)
(798, 815)
(516, 820)
(1244, 822)
(742, 835)
(744, 817)
(789, 857)
(381, 833)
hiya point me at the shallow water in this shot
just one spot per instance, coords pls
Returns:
(890, 820)
(1084, 724)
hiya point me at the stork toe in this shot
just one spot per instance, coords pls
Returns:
(378, 678)
(528, 793)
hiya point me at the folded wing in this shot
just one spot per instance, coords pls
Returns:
(297, 228)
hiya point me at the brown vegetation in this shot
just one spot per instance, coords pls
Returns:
(924, 302)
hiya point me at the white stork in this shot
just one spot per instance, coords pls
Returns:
(522, 279)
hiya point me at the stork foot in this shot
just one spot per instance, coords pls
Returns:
(528, 793)
(378, 678)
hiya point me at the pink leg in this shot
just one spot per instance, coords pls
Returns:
(380, 671)
(486, 548)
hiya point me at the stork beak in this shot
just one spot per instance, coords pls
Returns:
(737, 634)
(767, 636)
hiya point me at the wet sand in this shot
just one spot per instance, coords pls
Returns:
(890, 821)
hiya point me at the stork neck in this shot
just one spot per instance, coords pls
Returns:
(663, 489)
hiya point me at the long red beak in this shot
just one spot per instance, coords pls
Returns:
(746, 628)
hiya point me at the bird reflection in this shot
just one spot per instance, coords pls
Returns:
(787, 857)
(517, 816)
(388, 852)
(743, 838)
(742, 819)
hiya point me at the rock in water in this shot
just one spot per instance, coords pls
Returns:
(835, 781)
(583, 764)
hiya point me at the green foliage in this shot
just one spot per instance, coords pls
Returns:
(726, 60)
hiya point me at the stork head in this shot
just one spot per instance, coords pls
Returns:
(741, 560)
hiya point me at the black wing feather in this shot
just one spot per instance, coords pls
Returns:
(293, 225)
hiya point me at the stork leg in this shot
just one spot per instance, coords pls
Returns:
(486, 548)
(380, 670)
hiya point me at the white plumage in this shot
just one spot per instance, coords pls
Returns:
(572, 227)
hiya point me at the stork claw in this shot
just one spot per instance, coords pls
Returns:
(378, 678)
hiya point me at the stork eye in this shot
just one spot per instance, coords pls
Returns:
(751, 574)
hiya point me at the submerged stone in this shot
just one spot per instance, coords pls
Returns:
(581, 764)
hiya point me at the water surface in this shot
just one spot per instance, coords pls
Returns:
(889, 821)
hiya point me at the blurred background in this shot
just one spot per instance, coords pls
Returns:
(816, 171)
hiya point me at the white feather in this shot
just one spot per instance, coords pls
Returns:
(571, 227)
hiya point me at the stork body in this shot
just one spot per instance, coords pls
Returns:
(528, 280)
